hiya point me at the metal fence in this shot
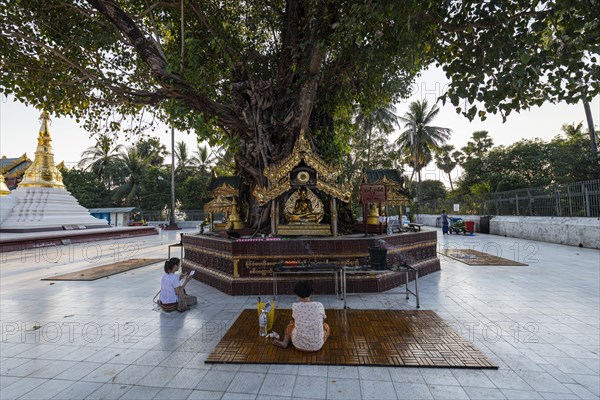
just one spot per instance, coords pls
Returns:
(180, 215)
(578, 199)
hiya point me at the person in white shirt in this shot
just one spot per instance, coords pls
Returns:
(172, 286)
(307, 331)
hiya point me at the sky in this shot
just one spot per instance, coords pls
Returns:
(19, 125)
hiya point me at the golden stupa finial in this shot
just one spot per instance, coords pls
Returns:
(43, 172)
(3, 188)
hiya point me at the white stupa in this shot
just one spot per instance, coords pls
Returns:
(41, 202)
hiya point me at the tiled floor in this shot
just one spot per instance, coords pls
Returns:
(103, 339)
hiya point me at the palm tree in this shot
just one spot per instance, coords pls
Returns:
(478, 146)
(182, 156)
(381, 120)
(419, 139)
(444, 161)
(103, 160)
(202, 158)
(573, 131)
(134, 166)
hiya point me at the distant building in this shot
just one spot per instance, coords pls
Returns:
(115, 216)
(13, 169)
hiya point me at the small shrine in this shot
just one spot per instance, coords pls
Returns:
(225, 192)
(13, 169)
(396, 193)
(307, 179)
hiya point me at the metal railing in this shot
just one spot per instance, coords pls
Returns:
(578, 199)
(180, 215)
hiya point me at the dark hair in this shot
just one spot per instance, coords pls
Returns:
(170, 263)
(303, 289)
(443, 211)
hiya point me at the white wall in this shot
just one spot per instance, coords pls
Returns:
(573, 231)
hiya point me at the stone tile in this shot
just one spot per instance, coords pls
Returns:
(140, 392)
(8, 364)
(412, 391)
(105, 373)
(21, 387)
(341, 388)
(407, 375)
(238, 396)
(448, 392)
(187, 378)
(173, 393)
(590, 382)
(132, 374)
(205, 395)
(283, 369)
(109, 391)
(377, 390)
(152, 358)
(543, 382)
(246, 382)
(28, 368)
(374, 373)
(159, 376)
(78, 371)
(512, 394)
(484, 393)
(78, 390)
(437, 376)
(48, 389)
(177, 359)
(335, 371)
(313, 370)
(558, 396)
(278, 385)
(216, 381)
(508, 380)
(262, 368)
(53, 369)
(312, 387)
(8, 380)
(472, 378)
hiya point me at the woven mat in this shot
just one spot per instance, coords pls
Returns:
(402, 338)
(91, 274)
(473, 257)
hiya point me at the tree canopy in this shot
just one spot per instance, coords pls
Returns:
(257, 73)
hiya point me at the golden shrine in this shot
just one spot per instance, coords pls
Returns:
(396, 193)
(301, 173)
(224, 191)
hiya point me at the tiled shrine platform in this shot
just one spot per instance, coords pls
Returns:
(244, 267)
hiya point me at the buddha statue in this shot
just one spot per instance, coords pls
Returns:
(373, 218)
(303, 209)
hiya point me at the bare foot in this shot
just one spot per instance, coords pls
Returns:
(280, 343)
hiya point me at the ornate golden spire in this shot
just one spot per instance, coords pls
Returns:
(43, 172)
(3, 188)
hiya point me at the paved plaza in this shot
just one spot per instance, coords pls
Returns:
(104, 339)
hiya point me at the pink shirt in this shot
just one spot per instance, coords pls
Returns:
(308, 334)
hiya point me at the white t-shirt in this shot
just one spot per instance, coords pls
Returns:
(308, 334)
(168, 283)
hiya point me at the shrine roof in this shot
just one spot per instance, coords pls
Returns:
(376, 175)
(233, 181)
